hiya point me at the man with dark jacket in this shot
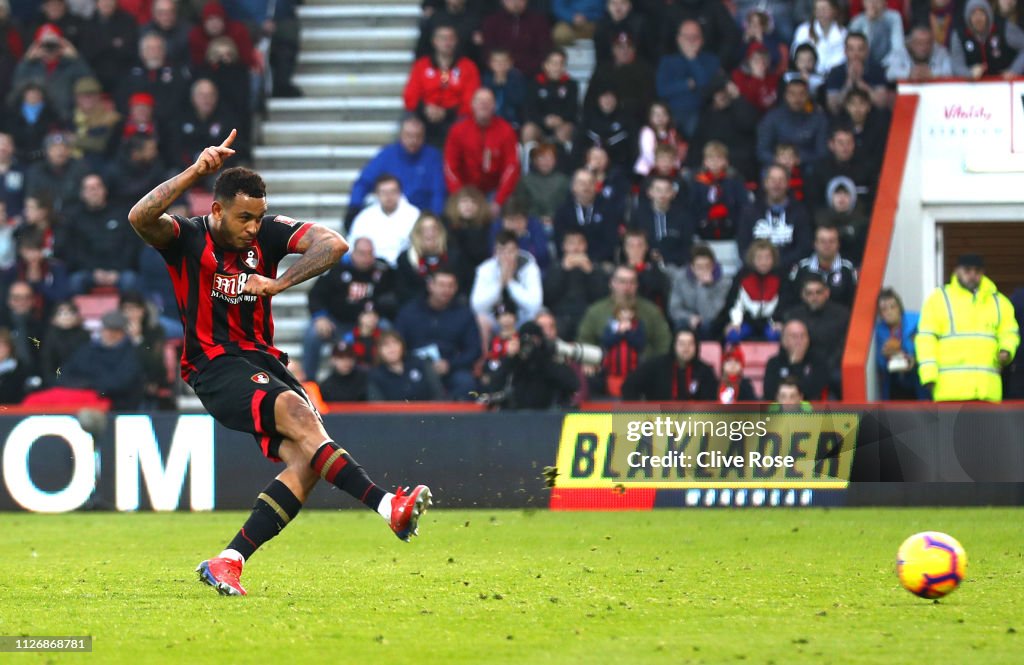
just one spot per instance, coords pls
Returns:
(621, 18)
(573, 284)
(109, 43)
(826, 262)
(58, 176)
(826, 321)
(679, 376)
(347, 382)
(157, 75)
(358, 282)
(721, 34)
(630, 76)
(525, 33)
(795, 121)
(109, 365)
(796, 358)
(986, 44)
(665, 220)
(588, 213)
(778, 219)
(52, 60)
(100, 247)
(842, 160)
(440, 331)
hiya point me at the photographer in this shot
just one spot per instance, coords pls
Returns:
(531, 375)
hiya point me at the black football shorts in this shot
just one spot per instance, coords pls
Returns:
(239, 391)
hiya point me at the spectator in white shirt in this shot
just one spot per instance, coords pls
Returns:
(387, 222)
(511, 275)
(825, 34)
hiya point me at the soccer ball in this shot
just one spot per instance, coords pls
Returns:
(931, 564)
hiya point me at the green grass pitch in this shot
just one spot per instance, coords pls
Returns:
(669, 586)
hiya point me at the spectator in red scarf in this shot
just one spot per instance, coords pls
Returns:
(733, 386)
(52, 61)
(788, 157)
(679, 375)
(623, 341)
(717, 195)
(364, 339)
(428, 251)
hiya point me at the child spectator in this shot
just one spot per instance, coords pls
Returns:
(508, 85)
(759, 29)
(844, 214)
(623, 341)
(733, 386)
(659, 130)
(717, 195)
(804, 65)
(552, 103)
(347, 381)
(365, 337)
(758, 84)
(754, 297)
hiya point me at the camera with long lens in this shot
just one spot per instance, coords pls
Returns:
(577, 352)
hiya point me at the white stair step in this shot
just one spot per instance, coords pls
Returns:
(305, 180)
(365, 15)
(343, 85)
(355, 62)
(333, 38)
(358, 3)
(288, 327)
(310, 205)
(302, 133)
(321, 109)
(313, 156)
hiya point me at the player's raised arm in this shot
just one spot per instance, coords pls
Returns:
(147, 216)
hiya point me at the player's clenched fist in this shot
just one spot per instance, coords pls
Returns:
(258, 285)
(212, 158)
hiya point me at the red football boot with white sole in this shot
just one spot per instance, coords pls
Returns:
(406, 509)
(223, 574)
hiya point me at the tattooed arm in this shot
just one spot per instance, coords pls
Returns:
(320, 247)
(147, 216)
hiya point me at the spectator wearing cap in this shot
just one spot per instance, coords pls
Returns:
(12, 177)
(796, 121)
(443, 332)
(630, 77)
(108, 365)
(679, 375)
(826, 323)
(168, 24)
(698, 294)
(402, 377)
(56, 13)
(109, 41)
(733, 387)
(23, 319)
(441, 85)
(845, 213)
(986, 44)
(418, 167)
(511, 275)
(347, 382)
(728, 118)
(923, 59)
(523, 32)
(825, 34)
(95, 124)
(839, 274)
(858, 71)
(883, 28)
(214, 22)
(155, 74)
(58, 176)
(573, 284)
(207, 121)
(842, 159)
(895, 353)
(147, 338)
(798, 359)
(483, 151)
(758, 84)
(52, 61)
(428, 252)
(100, 247)
(621, 19)
(683, 77)
(388, 222)
(358, 282)
(966, 336)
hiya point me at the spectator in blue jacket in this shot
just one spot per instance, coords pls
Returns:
(894, 349)
(418, 168)
(683, 78)
(529, 231)
(796, 121)
(575, 19)
(443, 333)
(399, 377)
(508, 85)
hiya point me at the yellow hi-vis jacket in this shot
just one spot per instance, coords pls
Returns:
(959, 339)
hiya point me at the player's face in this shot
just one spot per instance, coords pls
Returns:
(239, 220)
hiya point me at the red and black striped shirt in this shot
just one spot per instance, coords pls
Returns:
(217, 317)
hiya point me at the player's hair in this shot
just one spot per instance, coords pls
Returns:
(238, 180)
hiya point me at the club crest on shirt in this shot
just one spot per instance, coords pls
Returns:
(260, 377)
(251, 258)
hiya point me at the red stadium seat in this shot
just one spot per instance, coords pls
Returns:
(93, 306)
(757, 355)
(711, 353)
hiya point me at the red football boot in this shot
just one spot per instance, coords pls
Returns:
(406, 509)
(223, 574)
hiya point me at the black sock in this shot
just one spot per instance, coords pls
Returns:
(339, 469)
(275, 507)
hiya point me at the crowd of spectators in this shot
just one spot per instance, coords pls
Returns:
(713, 185)
(101, 102)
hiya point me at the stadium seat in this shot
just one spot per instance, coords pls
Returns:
(727, 255)
(199, 202)
(711, 353)
(757, 355)
(93, 306)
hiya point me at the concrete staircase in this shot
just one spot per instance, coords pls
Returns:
(354, 61)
